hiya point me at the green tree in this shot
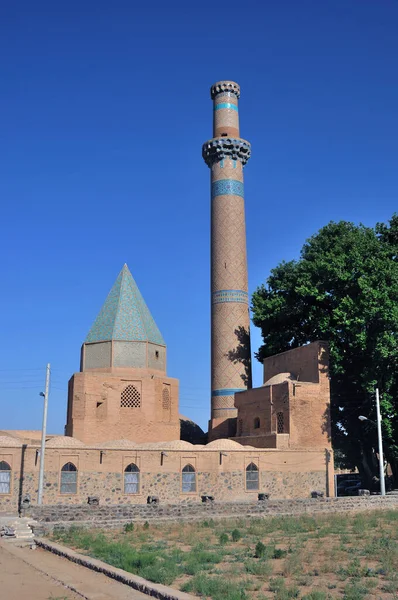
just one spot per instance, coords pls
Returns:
(344, 290)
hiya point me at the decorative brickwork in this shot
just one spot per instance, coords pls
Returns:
(224, 147)
(130, 397)
(224, 86)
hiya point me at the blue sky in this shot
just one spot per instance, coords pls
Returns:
(104, 109)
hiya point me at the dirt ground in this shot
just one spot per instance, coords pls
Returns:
(38, 575)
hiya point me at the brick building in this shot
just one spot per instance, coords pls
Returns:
(122, 438)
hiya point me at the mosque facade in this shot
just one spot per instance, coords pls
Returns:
(125, 442)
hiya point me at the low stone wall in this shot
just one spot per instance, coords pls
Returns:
(117, 515)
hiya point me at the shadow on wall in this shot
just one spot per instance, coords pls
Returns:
(324, 371)
(241, 354)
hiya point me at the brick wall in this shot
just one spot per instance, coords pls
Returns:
(100, 472)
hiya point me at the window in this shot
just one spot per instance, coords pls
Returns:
(131, 479)
(69, 479)
(130, 397)
(5, 478)
(252, 477)
(280, 425)
(256, 423)
(188, 479)
(166, 398)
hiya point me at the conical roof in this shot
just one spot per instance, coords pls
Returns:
(124, 315)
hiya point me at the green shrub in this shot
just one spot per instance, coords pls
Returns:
(260, 550)
(355, 591)
(279, 553)
(223, 539)
(128, 527)
(316, 595)
(261, 568)
(146, 525)
(236, 535)
(216, 588)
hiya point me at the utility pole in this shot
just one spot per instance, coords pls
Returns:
(43, 436)
(381, 459)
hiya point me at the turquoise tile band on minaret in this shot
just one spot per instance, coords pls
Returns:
(230, 296)
(227, 187)
(225, 105)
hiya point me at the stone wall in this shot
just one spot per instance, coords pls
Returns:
(116, 515)
(222, 474)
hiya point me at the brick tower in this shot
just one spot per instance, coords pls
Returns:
(226, 154)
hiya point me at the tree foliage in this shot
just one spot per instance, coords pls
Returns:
(343, 289)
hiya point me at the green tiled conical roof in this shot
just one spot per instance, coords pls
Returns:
(124, 315)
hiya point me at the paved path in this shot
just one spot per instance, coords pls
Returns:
(39, 575)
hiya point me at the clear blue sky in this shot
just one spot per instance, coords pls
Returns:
(104, 109)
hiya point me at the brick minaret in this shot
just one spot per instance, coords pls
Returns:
(226, 154)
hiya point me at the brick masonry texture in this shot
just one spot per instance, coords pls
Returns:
(229, 320)
(283, 474)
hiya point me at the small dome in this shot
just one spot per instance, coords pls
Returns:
(224, 445)
(178, 445)
(280, 378)
(119, 444)
(7, 441)
(64, 441)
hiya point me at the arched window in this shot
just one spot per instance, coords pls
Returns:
(188, 479)
(69, 479)
(280, 423)
(256, 423)
(130, 397)
(5, 478)
(252, 477)
(131, 479)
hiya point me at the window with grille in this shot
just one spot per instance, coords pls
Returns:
(131, 479)
(69, 479)
(252, 477)
(256, 423)
(188, 479)
(280, 423)
(5, 478)
(130, 397)
(166, 398)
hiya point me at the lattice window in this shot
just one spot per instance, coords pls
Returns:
(69, 479)
(131, 479)
(5, 478)
(188, 479)
(280, 423)
(252, 477)
(166, 398)
(130, 397)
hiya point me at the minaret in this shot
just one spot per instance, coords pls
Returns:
(226, 154)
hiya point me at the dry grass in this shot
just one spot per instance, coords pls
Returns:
(313, 558)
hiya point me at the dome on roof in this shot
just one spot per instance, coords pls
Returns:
(224, 445)
(280, 378)
(6, 441)
(119, 444)
(64, 441)
(178, 445)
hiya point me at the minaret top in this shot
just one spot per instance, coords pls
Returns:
(223, 87)
(125, 315)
